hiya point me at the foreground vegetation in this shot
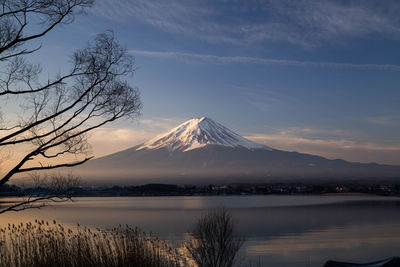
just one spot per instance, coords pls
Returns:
(44, 243)
(41, 243)
(214, 242)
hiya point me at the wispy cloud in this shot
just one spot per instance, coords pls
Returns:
(207, 58)
(264, 99)
(383, 120)
(332, 144)
(107, 140)
(158, 125)
(284, 140)
(302, 22)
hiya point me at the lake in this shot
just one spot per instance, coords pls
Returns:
(279, 230)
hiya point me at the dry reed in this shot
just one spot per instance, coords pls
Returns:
(43, 243)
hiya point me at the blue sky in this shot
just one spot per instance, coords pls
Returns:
(320, 77)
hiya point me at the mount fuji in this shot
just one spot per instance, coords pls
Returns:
(198, 133)
(202, 150)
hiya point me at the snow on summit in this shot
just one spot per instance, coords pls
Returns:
(199, 132)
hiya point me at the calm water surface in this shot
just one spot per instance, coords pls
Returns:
(280, 230)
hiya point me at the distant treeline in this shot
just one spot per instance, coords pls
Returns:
(392, 189)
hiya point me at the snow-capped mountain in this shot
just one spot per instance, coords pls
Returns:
(197, 133)
(202, 150)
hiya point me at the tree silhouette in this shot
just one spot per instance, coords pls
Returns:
(60, 111)
(213, 242)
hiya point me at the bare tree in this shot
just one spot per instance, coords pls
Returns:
(44, 189)
(214, 243)
(58, 112)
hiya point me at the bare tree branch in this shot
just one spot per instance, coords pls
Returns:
(59, 112)
(15, 15)
(45, 190)
(35, 203)
(50, 167)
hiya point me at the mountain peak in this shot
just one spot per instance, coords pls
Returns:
(197, 133)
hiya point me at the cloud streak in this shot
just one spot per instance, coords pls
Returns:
(108, 140)
(306, 23)
(207, 58)
(340, 147)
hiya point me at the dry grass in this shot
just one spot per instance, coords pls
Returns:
(44, 244)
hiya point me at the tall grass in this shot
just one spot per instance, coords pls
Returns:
(42, 243)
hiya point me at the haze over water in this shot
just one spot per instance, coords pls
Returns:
(279, 230)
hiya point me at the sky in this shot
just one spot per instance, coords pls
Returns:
(319, 77)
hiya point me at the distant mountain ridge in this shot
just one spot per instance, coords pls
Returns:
(205, 150)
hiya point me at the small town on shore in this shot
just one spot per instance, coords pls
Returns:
(278, 188)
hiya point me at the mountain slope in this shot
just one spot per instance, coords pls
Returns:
(197, 133)
(201, 148)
